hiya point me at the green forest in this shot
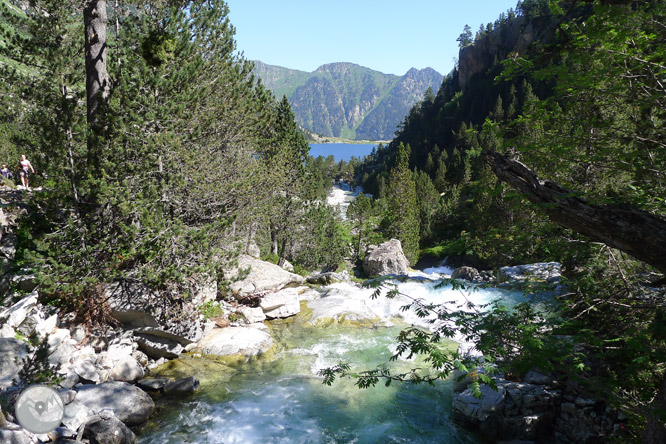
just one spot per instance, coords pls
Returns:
(161, 158)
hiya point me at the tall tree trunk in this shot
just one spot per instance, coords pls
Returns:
(97, 78)
(636, 232)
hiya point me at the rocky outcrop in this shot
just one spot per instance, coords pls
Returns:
(252, 275)
(384, 259)
(512, 37)
(534, 409)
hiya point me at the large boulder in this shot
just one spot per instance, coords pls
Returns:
(12, 353)
(255, 276)
(247, 341)
(109, 430)
(281, 304)
(470, 274)
(130, 404)
(386, 258)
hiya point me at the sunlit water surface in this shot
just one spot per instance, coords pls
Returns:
(284, 401)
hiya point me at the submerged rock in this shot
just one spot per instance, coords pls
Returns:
(207, 370)
(386, 258)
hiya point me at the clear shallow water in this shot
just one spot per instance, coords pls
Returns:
(341, 151)
(284, 401)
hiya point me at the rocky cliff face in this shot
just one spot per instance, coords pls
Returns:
(348, 100)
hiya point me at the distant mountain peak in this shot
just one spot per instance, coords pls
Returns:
(348, 100)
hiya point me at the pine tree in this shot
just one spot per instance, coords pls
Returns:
(402, 217)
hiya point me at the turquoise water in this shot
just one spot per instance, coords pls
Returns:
(284, 401)
(341, 151)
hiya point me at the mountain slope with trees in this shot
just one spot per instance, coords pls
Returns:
(348, 100)
(546, 144)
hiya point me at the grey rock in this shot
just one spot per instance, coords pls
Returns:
(67, 395)
(16, 314)
(253, 314)
(8, 245)
(12, 353)
(86, 369)
(14, 437)
(281, 304)
(109, 431)
(153, 384)
(182, 386)
(70, 380)
(470, 274)
(262, 276)
(77, 414)
(24, 282)
(132, 304)
(246, 341)
(384, 259)
(157, 347)
(285, 264)
(533, 377)
(328, 278)
(130, 404)
(127, 369)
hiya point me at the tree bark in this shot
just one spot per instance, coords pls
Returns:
(97, 78)
(636, 232)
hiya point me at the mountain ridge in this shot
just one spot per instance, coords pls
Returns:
(344, 99)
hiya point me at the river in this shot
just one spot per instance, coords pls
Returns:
(283, 400)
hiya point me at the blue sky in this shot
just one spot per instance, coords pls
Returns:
(390, 36)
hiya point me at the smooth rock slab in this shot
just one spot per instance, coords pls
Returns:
(281, 304)
(236, 341)
(130, 404)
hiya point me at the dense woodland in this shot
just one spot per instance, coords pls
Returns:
(519, 166)
(161, 158)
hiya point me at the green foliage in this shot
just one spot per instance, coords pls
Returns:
(211, 309)
(37, 369)
(401, 218)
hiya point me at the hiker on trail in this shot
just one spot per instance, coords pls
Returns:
(24, 171)
(5, 172)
